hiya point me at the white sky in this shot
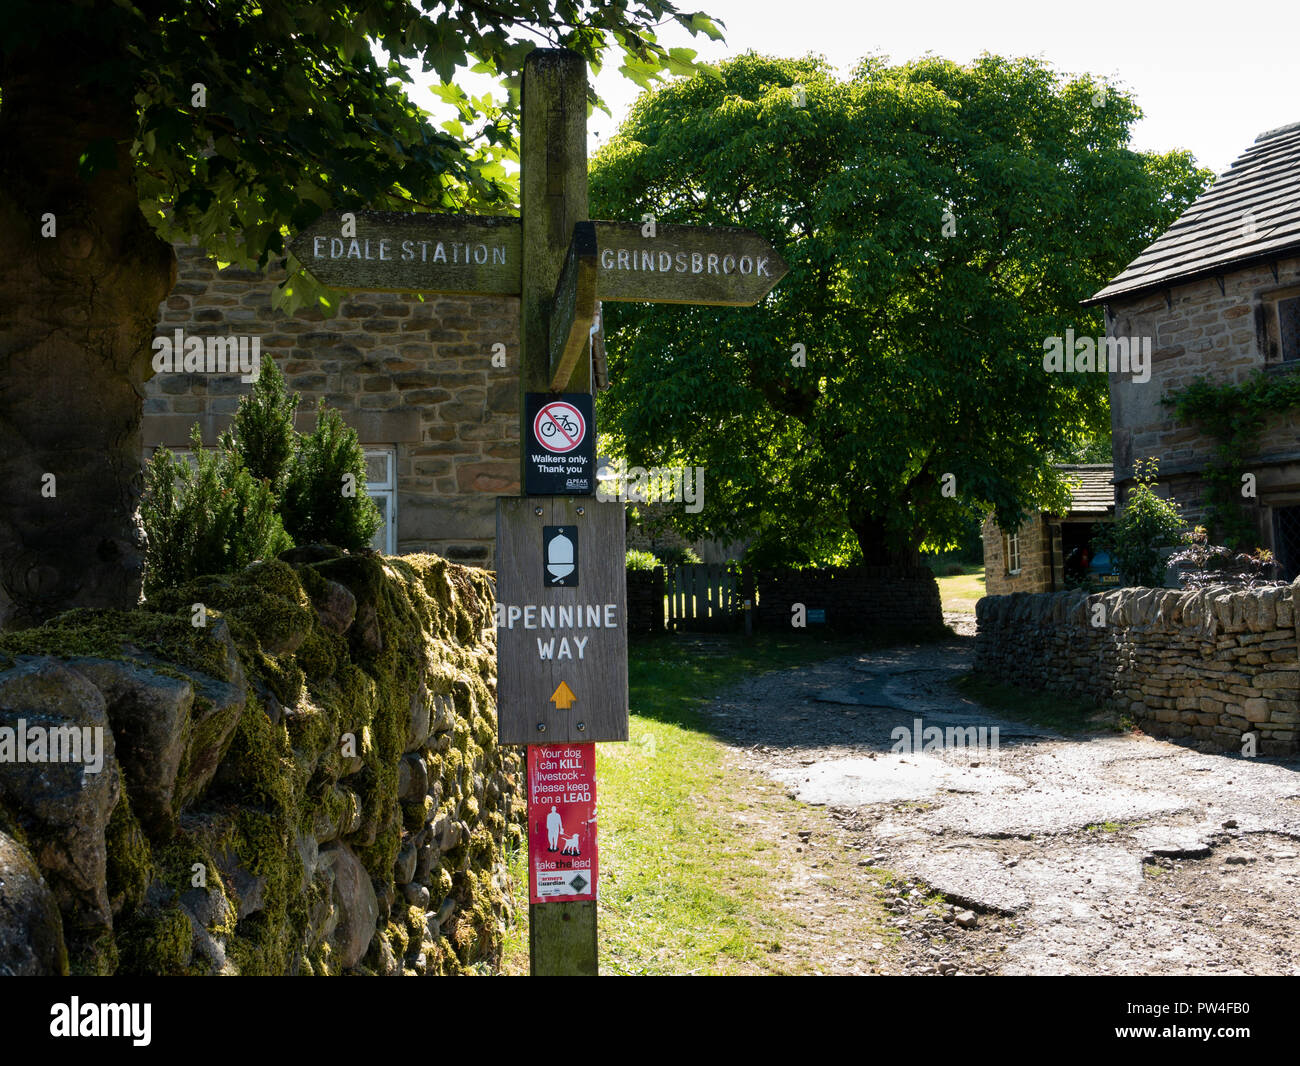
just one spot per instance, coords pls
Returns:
(1209, 76)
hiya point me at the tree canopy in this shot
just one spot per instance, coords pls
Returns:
(251, 119)
(128, 125)
(940, 221)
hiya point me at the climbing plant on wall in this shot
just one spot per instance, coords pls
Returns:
(1233, 414)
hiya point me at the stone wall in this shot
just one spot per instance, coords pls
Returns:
(1199, 330)
(645, 601)
(1209, 665)
(307, 782)
(855, 599)
(412, 375)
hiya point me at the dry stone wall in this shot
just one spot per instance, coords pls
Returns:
(1209, 665)
(307, 783)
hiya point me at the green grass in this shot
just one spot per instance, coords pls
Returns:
(1070, 715)
(960, 591)
(693, 850)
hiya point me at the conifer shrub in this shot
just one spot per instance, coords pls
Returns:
(262, 431)
(209, 517)
(325, 497)
(262, 489)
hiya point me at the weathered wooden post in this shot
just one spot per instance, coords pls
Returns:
(553, 198)
(561, 581)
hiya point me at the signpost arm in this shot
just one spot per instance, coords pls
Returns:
(574, 307)
(553, 197)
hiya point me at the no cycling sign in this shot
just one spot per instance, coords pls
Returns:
(560, 452)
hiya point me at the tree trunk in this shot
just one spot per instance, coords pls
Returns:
(76, 324)
(878, 549)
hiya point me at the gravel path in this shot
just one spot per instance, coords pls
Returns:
(1051, 855)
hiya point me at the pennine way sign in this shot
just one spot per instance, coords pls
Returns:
(561, 633)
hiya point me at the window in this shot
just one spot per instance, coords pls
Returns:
(1280, 314)
(1011, 552)
(1286, 541)
(381, 486)
(1288, 328)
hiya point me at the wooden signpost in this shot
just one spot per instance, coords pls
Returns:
(711, 265)
(391, 252)
(562, 635)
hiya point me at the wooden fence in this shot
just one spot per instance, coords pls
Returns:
(703, 596)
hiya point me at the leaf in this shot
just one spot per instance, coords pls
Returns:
(444, 51)
(701, 23)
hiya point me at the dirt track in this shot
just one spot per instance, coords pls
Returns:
(1081, 855)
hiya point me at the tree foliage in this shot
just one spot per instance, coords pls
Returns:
(250, 120)
(940, 221)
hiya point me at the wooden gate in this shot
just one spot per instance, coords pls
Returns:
(702, 596)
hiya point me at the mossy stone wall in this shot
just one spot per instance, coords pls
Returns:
(307, 782)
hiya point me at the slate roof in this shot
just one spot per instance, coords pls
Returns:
(1096, 494)
(1215, 235)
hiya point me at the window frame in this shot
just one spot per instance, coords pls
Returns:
(387, 489)
(1271, 304)
(1011, 550)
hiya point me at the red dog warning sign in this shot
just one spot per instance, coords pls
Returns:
(561, 822)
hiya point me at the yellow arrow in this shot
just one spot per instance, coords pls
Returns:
(563, 697)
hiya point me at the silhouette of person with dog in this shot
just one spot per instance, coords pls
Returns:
(554, 827)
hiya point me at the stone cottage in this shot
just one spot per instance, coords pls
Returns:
(1217, 296)
(1033, 557)
(430, 385)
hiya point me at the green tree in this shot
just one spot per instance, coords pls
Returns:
(128, 124)
(325, 497)
(940, 221)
